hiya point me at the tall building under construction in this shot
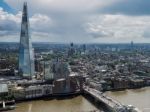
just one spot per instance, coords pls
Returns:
(26, 52)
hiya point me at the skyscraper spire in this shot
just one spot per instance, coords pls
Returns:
(26, 54)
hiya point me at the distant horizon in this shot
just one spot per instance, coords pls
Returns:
(73, 42)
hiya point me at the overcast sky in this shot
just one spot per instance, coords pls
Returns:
(79, 21)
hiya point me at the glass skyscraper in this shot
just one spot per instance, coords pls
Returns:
(26, 52)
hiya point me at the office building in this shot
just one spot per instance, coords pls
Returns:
(26, 52)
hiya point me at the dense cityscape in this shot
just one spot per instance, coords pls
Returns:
(45, 70)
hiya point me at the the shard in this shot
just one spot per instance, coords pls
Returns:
(26, 52)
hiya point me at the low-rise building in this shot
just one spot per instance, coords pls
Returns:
(136, 83)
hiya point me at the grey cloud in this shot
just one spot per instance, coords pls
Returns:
(46, 6)
(129, 7)
(6, 33)
(8, 26)
(65, 28)
(146, 33)
(121, 27)
(103, 34)
(65, 21)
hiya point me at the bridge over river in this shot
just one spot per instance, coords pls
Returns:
(112, 105)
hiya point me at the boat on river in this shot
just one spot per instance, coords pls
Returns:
(7, 105)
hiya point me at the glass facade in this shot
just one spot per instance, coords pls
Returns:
(26, 52)
(48, 73)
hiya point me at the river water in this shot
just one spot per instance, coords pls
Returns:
(137, 97)
(75, 104)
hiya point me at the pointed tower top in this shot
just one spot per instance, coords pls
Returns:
(25, 4)
(25, 13)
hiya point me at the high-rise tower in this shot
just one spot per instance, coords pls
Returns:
(26, 52)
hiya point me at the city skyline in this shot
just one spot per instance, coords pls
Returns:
(78, 21)
(76, 54)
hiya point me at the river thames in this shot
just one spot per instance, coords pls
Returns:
(75, 104)
(140, 98)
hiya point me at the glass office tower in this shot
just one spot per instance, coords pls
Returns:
(26, 52)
